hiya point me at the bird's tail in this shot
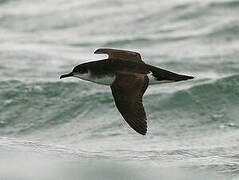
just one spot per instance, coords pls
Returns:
(161, 74)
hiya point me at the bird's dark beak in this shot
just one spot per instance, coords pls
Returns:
(66, 75)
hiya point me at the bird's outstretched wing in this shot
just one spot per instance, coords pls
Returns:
(120, 54)
(127, 91)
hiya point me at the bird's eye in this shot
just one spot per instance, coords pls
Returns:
(80, 70)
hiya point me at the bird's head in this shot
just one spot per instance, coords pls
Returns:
(79, 71)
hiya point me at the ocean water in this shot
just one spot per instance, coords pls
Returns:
(70, 129)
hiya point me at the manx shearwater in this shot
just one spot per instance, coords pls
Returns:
(128, 76)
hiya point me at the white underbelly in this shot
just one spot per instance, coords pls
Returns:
(106, 80)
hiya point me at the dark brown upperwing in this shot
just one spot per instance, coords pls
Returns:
(127, 91)
(120, 54)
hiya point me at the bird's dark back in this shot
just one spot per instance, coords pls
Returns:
(115, 65)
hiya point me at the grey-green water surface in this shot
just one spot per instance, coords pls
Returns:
(70, 129)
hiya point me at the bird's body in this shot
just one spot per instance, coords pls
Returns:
(128, 76)
(105, 71)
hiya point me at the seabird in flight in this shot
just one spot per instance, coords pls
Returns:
(128, 76)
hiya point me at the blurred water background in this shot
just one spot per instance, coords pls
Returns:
(70, 129)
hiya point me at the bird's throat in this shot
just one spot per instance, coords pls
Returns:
(103, 79)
